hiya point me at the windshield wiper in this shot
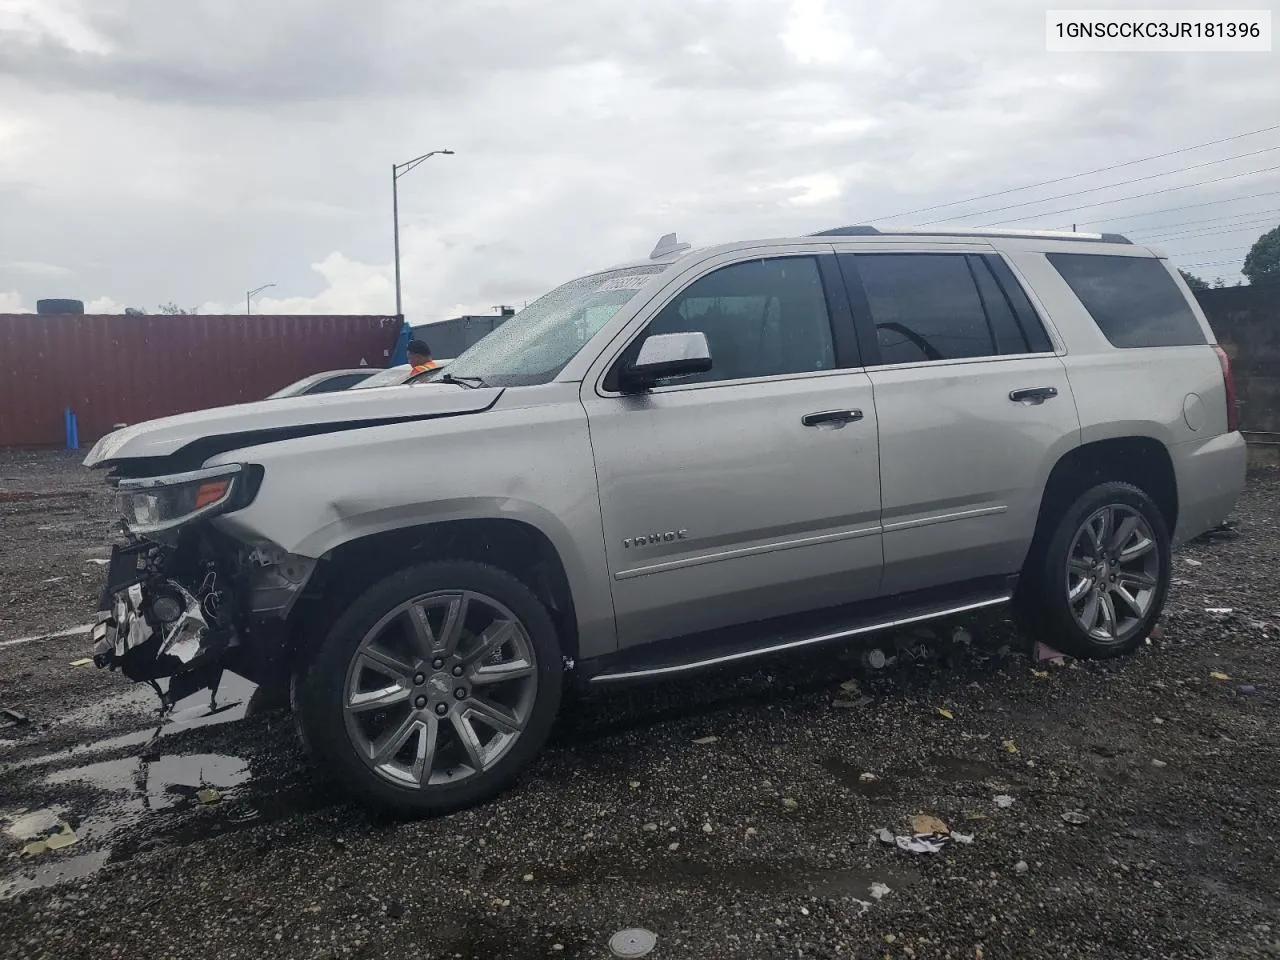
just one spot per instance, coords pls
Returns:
(471, 383)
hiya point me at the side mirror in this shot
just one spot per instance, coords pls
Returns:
(666, 355)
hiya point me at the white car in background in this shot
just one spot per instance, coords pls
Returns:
(331, 381)
(395, 376)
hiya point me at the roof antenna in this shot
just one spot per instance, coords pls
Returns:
(667, 245)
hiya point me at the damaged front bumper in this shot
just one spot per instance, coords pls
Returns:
(187, 609)
(151, 626)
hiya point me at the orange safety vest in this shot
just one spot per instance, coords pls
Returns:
(423, 368)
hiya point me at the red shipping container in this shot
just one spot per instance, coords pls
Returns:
(114, 368)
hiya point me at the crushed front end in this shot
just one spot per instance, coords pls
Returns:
(183, 600)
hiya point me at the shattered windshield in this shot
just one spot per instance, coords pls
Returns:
(534, 345)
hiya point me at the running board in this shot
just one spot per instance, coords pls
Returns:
(723, 647)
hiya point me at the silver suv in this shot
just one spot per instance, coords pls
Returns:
(701, 458)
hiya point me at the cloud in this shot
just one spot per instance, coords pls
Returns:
(35, 268)
(11, 302)
(167, 151)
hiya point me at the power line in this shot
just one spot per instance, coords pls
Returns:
(1187, 206)
(1216, 231)
(1189, 223)
(1076, 176)
(1150, 193)
(1216, 263)
(1109, 186)
(1201, 253)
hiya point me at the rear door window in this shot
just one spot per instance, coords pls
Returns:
(925, 306)
(1133, 300)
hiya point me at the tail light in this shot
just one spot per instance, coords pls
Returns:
(1229, 382)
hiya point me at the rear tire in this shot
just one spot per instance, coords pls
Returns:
(1097, 585)
(434, 690)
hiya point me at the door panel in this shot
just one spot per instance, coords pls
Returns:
(963, 466)
(974, 411)
(721, 507)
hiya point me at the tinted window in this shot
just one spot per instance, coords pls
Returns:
(1133, 300)
(334, 384)
(925, 307)
(761, 318)
(1014, 332)
(1017, 298)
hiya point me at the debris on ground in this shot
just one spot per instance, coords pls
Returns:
(12, 718)
(1009, 746)
(1158, 763)
(927, 823)
(208, 795)
(790, 803)
(1219, 675)
(1040, 674)
(944, 712)
(1003, 801)
(703, 741)
(880, 890)
(82, 662)
(1075, 817)
(44, 830)
(1192, 563)
(1220, 611)
(1247, 688)
(1021, 867)
(928, 835)
(1045, 652)
(851, 687)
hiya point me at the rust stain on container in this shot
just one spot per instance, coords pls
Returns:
(112, 368)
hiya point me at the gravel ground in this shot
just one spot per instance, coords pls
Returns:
(759, 843)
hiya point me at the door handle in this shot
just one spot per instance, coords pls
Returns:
(831, 416)
(1034, 395)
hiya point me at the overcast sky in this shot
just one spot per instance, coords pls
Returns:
(187, 150)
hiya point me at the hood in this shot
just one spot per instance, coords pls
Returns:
(188, 439)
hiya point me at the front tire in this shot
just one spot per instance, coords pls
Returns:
(1098, 585)
(434, 690)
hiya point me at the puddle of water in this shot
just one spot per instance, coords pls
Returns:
(160, 783)
(56, 871)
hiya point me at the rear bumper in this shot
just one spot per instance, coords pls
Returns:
(1211, 478)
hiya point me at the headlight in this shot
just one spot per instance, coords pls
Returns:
(161, 503)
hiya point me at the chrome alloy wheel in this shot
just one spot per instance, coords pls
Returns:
(1113, 571)
(440, 689)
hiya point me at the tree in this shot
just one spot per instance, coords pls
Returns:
(1263, 262)
(1194, 282)
(173, 310)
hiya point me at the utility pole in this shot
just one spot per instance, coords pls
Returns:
(398, 170)
(250, 294)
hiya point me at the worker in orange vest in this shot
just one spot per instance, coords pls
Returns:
(420, 357)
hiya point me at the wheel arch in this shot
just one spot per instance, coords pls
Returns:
(516, 546)
(1142, 461)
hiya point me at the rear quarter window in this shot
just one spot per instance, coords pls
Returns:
(1133, 300)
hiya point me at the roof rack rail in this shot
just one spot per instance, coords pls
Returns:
(866, 230)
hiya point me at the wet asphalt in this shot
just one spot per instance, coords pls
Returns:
(735, 815)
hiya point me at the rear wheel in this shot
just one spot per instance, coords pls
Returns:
(434, 690)
(1098, 585)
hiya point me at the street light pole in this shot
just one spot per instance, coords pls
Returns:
(250, 294)
(398, 170)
